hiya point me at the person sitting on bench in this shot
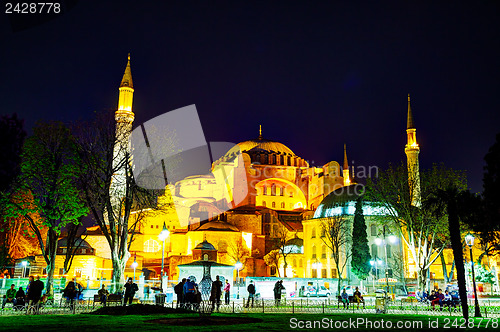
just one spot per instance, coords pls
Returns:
(345, 299)
(357, 297)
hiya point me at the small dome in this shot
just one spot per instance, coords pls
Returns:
(205, 245)
(338, 198)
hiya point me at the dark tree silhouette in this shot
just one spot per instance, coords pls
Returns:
(360, 257)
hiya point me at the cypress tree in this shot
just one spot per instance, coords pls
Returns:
(360, 257)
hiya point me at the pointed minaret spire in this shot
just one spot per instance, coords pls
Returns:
(345, 171)
(410, 124)
(260, 131)
(127, 76)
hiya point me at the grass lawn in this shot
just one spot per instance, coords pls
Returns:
(269, 322)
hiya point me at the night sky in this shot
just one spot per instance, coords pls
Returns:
(315, 74)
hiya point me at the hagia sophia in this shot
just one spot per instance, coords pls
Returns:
(284, 196)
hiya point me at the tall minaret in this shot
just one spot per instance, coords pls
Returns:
(345, 171)
(124, 112)
(124, 118)
(412, 150)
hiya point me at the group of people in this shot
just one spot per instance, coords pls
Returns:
(438, 297)
(19, 297)
(356, 298)
(188, 293)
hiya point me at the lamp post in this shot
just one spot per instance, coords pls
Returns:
(163, 236)
(134, 266)
(392, 239)
(238, 266)
(469, 240)
(373, 262)
(24, 264)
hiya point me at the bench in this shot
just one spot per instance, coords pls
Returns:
(351, 301)
(112, 298)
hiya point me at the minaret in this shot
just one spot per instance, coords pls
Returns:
(124, 118)
(345, 171)
(260, 132)
(412, 150)
(124, 112)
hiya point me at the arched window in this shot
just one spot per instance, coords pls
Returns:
(314, 252)
(323, 253)
(294, 263)
(264, 190)
(282, 191)
(323, 232)
(282, 205)
(151, 246)
(374, 250)
(373, 230)
(300, 262)
(273, 190)
(274, 205)
(264, 203)
(313, 233)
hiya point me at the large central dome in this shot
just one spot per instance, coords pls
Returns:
(265, 146)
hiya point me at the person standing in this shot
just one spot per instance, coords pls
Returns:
(130, 289)
(215, 293)
(277, 291)
(179, 291)
(10, 296)
(189, 292)
(227, 292)
(251, 293)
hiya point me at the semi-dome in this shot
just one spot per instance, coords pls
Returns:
(218, 226)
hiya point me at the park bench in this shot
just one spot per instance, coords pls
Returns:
(351, 301)
(112, 298)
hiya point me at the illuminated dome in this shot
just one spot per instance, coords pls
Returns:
(343, 202)
(265, 146)
(265, 152)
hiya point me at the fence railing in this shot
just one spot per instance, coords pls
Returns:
(489, 308)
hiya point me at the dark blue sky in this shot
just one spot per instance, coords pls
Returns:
(315, 74)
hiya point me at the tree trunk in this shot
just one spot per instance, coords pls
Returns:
(118, 279)
(445, 270)
(422, 279)
(49, 289)
(456, 245)
(284, 267)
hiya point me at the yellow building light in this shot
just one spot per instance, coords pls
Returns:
(247, 237)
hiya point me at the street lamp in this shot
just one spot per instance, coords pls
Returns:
(134, 266)
(163, 236)
(469, 240)
(238, 266)
(24, 264)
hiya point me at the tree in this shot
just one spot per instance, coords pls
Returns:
(456, 205)
(360, 256)
(74, 241)
(47, 187)
(12, 137)
(281, 236)
(272, 259)
(337, 237)
(424, 233)
(238, 251)
(118, 204)
(488, 229)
